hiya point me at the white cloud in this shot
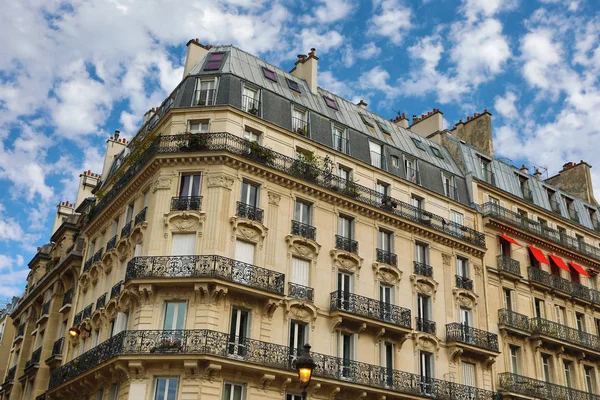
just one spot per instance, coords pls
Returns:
(392, 20)
(475, 9)
(505, 105)
(367, 51)
(329, 11)
(322, 41)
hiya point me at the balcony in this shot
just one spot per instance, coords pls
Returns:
(97, 256)
(543, 278)
(524, 386)
(67, 299)
(10, 375)
(514, 322)
(56, 356)
(370, 308)
(508, 265)
(34, 361)
(386, 257)
(535, 228)
(141, 216)
(186, 203)
(101, 302)
(88, 264)
(205, 97)
(45, 312)
(206, 266)
(475, 339)
(115, 291)
(423, 269)
(304, 230)
(462, 282)
(247, 211)
(20, 333)
(563, 335)
(126, 230)
(87, 312)
(111, 244)
(251, 105)
(78, 318)
(240, 147)
(425, 325)
(299, 126)
(300, 292)
(346, 244)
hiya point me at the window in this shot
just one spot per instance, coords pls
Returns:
(330, 102)
(383, 128)
(421, 253)
(568, 374)
(514, 359)
(505, 247)
(580, 319)
(423, 312)
(468, 376)
(589, 378)
(395, 162)
(383, 189)
(385, 241)
(214, 61)
(114, 392)
(386, 359)
(234, 391)
(183, 244)
(99, 394)
(412, 170)
(494, 201)
(524, 185)
(436, 152)
(462, 267)
(346, 343)
(340, 139)
(597, 326)
(238, 331)
(189, 185)
(486, 170)
(293, 85)
(366, 120)
(299, 119)
(571, 209)
(174, 315)
(205, 92)
(244, 252)
(426, 371)
(95, 335)
(376, 154)
(251, 135)
(344, 286)
(198, 126)
(114, 228)
(250, 100)
(345, 173)
(508, 303)
(269, 74)
(466, 319)
(539, 308)
(543, 222)
(547, 367)
(457, 220)
(386, 299)
(298, 337)
(419, 144)
(300, 271)
(302, 212)
(561, 313)
(345, 226)
(289, 396)
(166, 389)
(449, 188)
(250, 193)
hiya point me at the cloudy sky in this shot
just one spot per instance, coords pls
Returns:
(71, 72)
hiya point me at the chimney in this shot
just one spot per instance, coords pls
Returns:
(362, 104)
(400, 120)
(196, 52)
(114, 145)
(428, 124)
(307, 68)
(524, 169)
(537, 174)
(575, 179)
(476, 131)
(87, 181)
(63, 210)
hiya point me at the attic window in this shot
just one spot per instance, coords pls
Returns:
(330, 103)
(269, 74)
(436, 152)
(383, 128)
(293, 85)
(418, 143)
(366, 120)
(214, 61)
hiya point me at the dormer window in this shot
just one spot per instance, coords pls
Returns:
(524, 185)
(449, 188)
(383, 128)
(552, 200)
(205, 92)
(340, 138)
(419, 144)
(436, 152)
(299, 121)
(486, 170)
(250, 100)
(366, 120)
(376, 154)
(594, 218)
(214, 61)
(270, 75)
(293, 85)
(412, 170)
(330, 102)
(571, 208)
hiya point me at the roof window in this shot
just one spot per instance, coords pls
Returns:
(270, 74)
(419, 144)
(293, 85)
(214, 61)
(436, 152)
(383, 128)
(330, 102)
(366, 120)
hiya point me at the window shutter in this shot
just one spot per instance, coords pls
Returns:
(184, 244)
(300, 271)
(244, 252)
(502, 204)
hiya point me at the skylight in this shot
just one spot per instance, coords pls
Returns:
(366, 120)
(383, 128)
(214, 61)
(293, 85)
(436, 152)
(418, 143)
(270, 75)
(330, 102)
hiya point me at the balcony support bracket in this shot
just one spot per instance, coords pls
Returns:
(191, 369)
(455, 353)
(265, 381)
(334, 393)
(211, 371)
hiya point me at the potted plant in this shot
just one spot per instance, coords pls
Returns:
(264, 155)
(306, 166)
(253, 110)
(301, 130)
(351, 189)
(194, 142)
(167, 345)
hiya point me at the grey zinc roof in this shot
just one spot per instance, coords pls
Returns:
(249, 68)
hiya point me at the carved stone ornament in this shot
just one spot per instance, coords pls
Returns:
(388, 274)
(346, 261)
(191, 369)
(251, 231)
(185, 221)
(426, 342)
(211, 371)
(446, 259)
(465, 298)
(478, 269)
(301, 311)
(222, 181)
(455, 353)
(265, 381)
(274, 198)
(163, 182)
(424, 285)
(302, 247)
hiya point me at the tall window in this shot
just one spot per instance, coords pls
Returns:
(250, 100)
(580, 319)
(568, 373)
(302, 212)
(486, 170)
(129, 213)
(214, 61)
(468, 374)
(244, 253)
(238, 331)
(412, 170)
(189, 185)
(299, 121)
(457, 219)
(345, 228)
(508, 303)
(183, 244)
(589, 378)
(166, 388)
(547, 367)
(344, 173)
(385, 241)
(386, 359)
(340, 139)
(449, 189)
(114, 392)
(386, 298)
(234, 391)
(300, 271)
(250, 194)
(514, 359)
(421, 253)
(423, 312)
(298, 337)
(205, 92)
(462, 267)
(561, 314)
(540, 311)
(376, 154)
(346, 353)
(426, 371)
(251, 135)
(345, 287)
(174, 315)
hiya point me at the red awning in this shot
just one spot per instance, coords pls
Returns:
(579, 269)
(509, 239)
(539, 255)
(558, 261)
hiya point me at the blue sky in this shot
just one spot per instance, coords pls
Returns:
(71, 72)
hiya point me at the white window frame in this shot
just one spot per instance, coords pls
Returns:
(167, 383)
(231, 393)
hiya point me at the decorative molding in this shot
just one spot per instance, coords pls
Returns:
(301, 311)
(185, 221)
(284, 385)
(346, 261)
(265, 381)
(274, 198)
(270, 307)
(302, 247)
(222, 181)
(191, 369)
(465, 298)
(251, 231)
(426, 342)
(211, 371)
(455, 353)
(163, 182)
(446, 259)
(389, 274)
(334, 393)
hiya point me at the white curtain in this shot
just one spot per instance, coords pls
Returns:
(468, 371)
(184, 244)
(244, 252)
(300, 270)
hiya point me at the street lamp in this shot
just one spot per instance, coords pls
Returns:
(305, 366)
(75, 331)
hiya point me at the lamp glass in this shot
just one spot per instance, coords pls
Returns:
(304, 374)
(74, 332)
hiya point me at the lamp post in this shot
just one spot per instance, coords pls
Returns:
(305, 366)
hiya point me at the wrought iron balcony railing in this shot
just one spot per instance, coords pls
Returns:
(206, 266)
(425, 325)
(87, 312)
(205, 97)
(126, 230)
(301, 292)
(386, 257)
(535, 388)
(543, 278)
(299, 126)
(112, 243)
(10, 374)
(567, 334)
(78, 318)
(534, 227)
(341, 143)
(57, 347)
(88, 264)
(98, 256)
(41, 397)
(509, 265)
(186, 203)
(141, 216)
(304, 230)
(68, 297)
(326, 178)
(116, 290)
(423, 269)
(35, 358)
(251, 105)
(456, 332)
(249, 212)
(462, 282)
(370, 308)
(513, 320)
(347, 244)
(262, 354)
(101, 301)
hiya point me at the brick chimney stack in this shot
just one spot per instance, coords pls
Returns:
(400, 120)
(575, 179)
(63, 210)
(114, 145)
(306, 68)
(428, 124)
(476, 131)
(195, 53)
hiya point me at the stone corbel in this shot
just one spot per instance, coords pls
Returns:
(537, 345)
(465, 298)
(137, 370)
(270, 307)
(334, 323)
(489, 361)
(285, 384)
(455, 353)
(220, 181)
(361, 328)
(120, 372)
(581, 357)
(361, 396)
(265, 381)
(102, 379)
(336, 390)
(561, 351)
(311, 392)
(201, 292)
(382, 397)
(211, 371)
(146, 292)
(191, 369)
(426, 342)
(218, 292)
(424, 284)
(380, 335)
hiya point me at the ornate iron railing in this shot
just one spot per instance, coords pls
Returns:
(126, 230)
(251, 105)
(299, 126)
(456, 332)
(535, 388)
(462, 282)
(386, 257)
(562, 332)
(87, 312)
(46, 308)
(68, 297)
(101, 301)
(141, 216)
(88, 264)
(370, 308)
(423, 269)
(205, 97)
(425, 325)
(262, 354)
(57, 347)
(534, 227)
(347, 244)
(514, 320)
(186, 203)
(250, 212)
(509, 265)
(301, 292)
(112, 243)
(304, 230)
(574, 289)
(116, 290)
(78, 318)
(98, 256)
(325, 178)
(205, 266)
(10, 374)
(35, 358)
